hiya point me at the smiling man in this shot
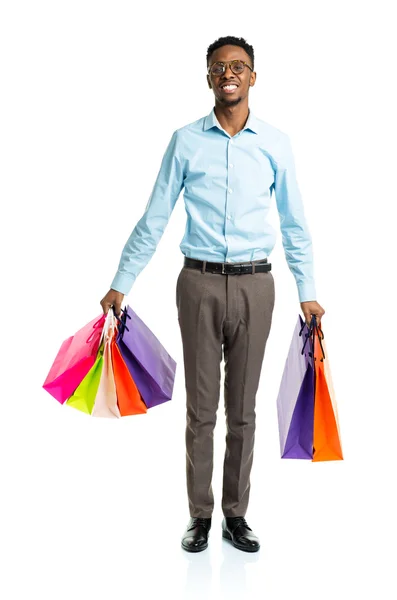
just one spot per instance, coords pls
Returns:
(230, 164)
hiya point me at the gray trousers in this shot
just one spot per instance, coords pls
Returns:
(233, 314)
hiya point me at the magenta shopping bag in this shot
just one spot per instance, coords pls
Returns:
(75, 358)
(295, 401)
(150, 365)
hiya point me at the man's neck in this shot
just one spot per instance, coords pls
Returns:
(232, 118)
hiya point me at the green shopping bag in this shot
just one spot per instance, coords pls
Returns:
(83, 397)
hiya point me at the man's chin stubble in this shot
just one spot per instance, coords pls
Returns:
(227, 102)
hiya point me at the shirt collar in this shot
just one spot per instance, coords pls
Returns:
(211, 121)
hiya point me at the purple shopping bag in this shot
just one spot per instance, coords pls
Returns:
(150, 365)
(295, 401)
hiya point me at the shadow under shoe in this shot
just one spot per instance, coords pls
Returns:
(195, 537)
(237, 531)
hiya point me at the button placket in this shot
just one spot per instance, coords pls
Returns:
(229, 190)
(230, 165)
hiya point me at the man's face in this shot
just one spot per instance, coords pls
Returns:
(243, 80)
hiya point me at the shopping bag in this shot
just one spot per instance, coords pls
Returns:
(74, 360)
(326, 439)
(307, 411)
(128, 397)
(295, 400)
(83, 398)
(150, 365)
(105, 404)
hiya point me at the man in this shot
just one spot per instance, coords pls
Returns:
(229, 163)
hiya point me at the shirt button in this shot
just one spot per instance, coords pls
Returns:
(231, 164)
(231, 141)
(230, 190)
(229, 217)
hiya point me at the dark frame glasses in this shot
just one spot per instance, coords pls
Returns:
(231, 64)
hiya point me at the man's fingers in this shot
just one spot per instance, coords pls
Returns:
(309, 319)
(113, 299)
(105, 306)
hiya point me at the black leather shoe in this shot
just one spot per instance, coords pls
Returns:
(195, 537)
(237, 531)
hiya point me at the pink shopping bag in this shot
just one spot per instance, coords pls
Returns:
(75, 358)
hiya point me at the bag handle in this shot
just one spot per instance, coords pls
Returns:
(97, 325)
(107, 322)
(313, 328)
(110, 324)
(122, 322)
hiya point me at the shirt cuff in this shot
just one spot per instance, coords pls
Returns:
(307, 292)
(123, 283)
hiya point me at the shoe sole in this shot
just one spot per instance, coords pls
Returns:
(227, 536)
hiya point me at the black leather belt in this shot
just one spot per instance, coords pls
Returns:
(228, 268)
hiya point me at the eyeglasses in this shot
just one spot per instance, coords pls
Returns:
(236, 66)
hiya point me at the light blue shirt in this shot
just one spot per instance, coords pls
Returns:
(228, 184)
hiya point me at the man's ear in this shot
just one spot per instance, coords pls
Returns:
(209, 82)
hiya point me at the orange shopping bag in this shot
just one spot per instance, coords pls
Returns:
(326, 435)
(128, 397)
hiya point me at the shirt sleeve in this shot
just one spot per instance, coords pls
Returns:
(148, 231)
(296, 237)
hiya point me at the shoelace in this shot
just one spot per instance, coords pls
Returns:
(234, 522)
(199, 521)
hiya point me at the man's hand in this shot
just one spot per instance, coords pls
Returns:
(311, 307)
(114, 299)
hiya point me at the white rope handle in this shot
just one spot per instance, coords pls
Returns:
(109, 326)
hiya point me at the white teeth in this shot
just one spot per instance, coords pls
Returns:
(229, 87)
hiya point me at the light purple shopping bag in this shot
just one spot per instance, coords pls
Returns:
(295, 401)
(150, 365)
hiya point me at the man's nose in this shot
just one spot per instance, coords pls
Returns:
(228, 67)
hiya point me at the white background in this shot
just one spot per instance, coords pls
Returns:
(90, 95)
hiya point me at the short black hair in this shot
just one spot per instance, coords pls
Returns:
(234, 41)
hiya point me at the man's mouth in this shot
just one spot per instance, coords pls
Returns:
(229, 88)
